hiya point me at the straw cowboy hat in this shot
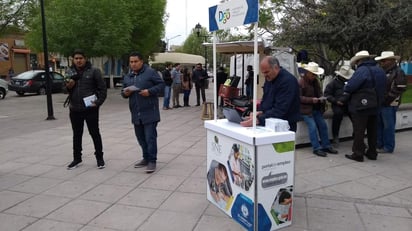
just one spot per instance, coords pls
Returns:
(388, 55)
(360, 55)
(345, 71)
(314, 68)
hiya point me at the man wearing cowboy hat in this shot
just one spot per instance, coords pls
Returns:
(395, 85)
(367, 75)
(312, 105)
(333, 93)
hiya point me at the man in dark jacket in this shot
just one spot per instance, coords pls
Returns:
(142, 86)
(199, 78)
(167, 78)
(281, 97)
(312, 106)
(333, 93)
(87, 92)
(395, 85)
(367, 75)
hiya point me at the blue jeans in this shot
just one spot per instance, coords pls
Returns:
(316, 124)
(147, 137)
(386, 128)
(166, 96)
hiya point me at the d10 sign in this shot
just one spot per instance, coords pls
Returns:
(233, 13)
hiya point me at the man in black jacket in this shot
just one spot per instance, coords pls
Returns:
(87, 92)
(167, 77)
(199, 76)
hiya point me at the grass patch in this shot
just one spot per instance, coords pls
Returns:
(407, 95)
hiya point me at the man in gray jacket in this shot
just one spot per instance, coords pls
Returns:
(142, 86)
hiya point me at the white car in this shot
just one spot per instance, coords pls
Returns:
(3, 88)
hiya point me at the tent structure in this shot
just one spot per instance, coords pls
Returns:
(174, 57)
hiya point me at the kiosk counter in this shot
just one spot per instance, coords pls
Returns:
(251, 171)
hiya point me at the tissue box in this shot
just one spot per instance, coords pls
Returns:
(277, 125)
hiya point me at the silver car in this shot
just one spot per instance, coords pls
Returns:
(3, 88)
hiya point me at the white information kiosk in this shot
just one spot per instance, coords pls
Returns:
(250, 170)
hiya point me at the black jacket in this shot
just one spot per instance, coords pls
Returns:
(87, 83)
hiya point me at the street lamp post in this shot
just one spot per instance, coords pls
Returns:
(50, 115)
(167, 42)
(198, 29)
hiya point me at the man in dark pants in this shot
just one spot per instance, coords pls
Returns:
(333, 92)
(281, 96)
(87, 92)
(199, 76)
(367, 75)
(142, 86)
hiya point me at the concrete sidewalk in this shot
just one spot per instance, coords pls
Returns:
(38, 193)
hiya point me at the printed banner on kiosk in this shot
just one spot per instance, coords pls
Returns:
(233, 13)
(232, 183)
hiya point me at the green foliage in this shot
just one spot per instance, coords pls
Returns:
(407, 95)
(13, 15)
(99, 27)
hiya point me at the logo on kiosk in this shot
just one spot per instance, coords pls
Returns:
(216, 147)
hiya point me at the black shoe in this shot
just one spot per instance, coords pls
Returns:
(100, 163)
(330, 150)
(354, 157)
(197, 105)
(141, 164)
(320, 153)
(371, 157)
(151, 167)
(74, 164)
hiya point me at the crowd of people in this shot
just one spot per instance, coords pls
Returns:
(181, 80)
(284, 97)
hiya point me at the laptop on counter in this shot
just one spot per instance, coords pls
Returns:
(232, 115)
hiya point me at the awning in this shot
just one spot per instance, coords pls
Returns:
(23, 51)
(175, 57)
(237, 47)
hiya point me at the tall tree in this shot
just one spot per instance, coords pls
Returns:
(337, 29)
(100, 27)
(13, 14)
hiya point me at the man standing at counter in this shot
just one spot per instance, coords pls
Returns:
(281, 97)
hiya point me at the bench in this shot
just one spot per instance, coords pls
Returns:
(403, 121)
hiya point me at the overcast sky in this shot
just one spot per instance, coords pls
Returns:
(183, 17)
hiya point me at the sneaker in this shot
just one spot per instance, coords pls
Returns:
(101, 164)
(74, 164)
(141, 164)
(151, 167)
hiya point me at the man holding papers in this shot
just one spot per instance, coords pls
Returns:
(87, 92)
(142, 86)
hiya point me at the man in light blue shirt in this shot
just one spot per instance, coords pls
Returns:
(176, 85)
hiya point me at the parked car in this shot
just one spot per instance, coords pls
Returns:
(3, 88)
(35, 82)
